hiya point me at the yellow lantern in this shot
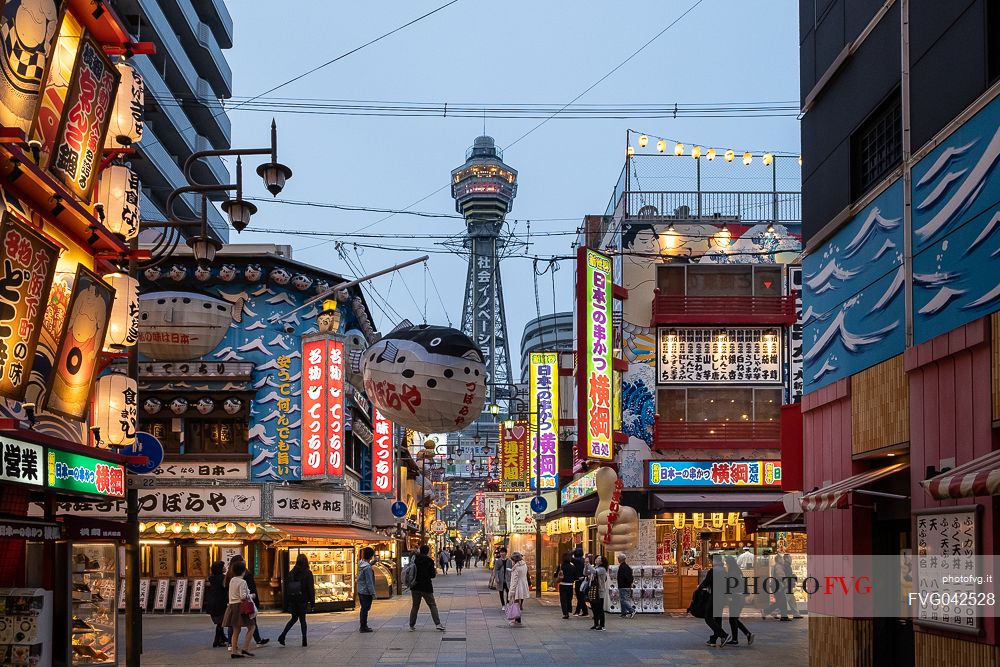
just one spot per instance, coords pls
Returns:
(142, 527)
(696, 152)
(698, 519)
(767, 159)
(123, 325)
(643, 140)
(118, 194)
(211, 528)
(161, 528)
(710, 155)
(747, 158)
(194, 528)
(661, 145)
(177, 528)
(125, 126)
(251, 528)
(679, 520)
(730, 155)
(115, 409)
(230, 527)
(679, 149)
(717, 519)
(731, 518)
(630, 151)
(800, 160)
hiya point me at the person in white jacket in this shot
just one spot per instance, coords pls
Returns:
(519, 586)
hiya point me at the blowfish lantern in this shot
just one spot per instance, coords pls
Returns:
(428, 378)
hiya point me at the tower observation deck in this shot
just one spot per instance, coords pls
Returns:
(484, 189)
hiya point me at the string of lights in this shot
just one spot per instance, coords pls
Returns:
(679, 149)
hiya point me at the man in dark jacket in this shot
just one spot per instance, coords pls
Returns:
(366, 586)
(423, 589)
(581, 596)
(625, 583)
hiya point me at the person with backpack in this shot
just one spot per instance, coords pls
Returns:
(366, 586)
(702, 606)
(422, 588)
(300, 595)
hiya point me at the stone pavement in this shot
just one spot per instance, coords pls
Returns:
(477, 634)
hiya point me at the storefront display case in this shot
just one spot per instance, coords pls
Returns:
(93, 628)
(333, 575)
(25, 627)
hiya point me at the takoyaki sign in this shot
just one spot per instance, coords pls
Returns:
(323, 407)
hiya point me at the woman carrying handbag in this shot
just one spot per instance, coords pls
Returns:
(241, 612)
(520, 586)
(597, 592)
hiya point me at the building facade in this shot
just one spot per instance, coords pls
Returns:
(900, 298)
(548, 333)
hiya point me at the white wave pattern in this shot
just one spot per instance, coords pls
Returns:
(873, 222)
(965, 193)
(827, 367)
(943, 160)
(886, 247)
(987, 230)
(256, 344)
(820, 281)
(810, 315)
(940, 300)
(936, 279)
(894, 288)
(941, 188)
(852, 342)
(992, 295)
(259, 324)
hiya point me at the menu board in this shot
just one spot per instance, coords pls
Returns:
(162, 591)
(947, 541)
(180, 594)
(143, 593)
(709, 355)
(197, 595)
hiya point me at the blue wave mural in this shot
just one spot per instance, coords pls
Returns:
(956, 213)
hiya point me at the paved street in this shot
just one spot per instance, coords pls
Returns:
(477, 634)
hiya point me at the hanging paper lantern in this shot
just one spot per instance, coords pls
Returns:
(204, 405)
(115, 402)
(717, 519)
(194, 528)
(230, 528)
(161, 528)
(123, 325)
(152, 405)
(176, 527)
(211, 528)
(679, 520)
(698, 520)
(125, 126)
(179, 406)
(118, 192)
(232, 405)
(428, 378)
(731, 518)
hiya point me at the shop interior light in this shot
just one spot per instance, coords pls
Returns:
(643, 140)
(154, 542)
(661, 145)
(219, 543)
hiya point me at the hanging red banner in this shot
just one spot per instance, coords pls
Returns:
(335, 408)
(313, 408)
(383, 450)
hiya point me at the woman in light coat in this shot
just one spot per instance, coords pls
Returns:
(519, 586)
(234, 618)
(598, 591)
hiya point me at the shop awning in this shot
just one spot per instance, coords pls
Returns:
(708, 502)
(830, 496)
(331, 532)
(978, 477)
(584, 507)
(789, 521)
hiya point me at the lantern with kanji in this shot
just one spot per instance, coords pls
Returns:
(125, 126)
(118, 194)
(428, 378)
(123, 325)
(115, 411)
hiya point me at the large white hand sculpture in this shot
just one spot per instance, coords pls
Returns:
(624, 528)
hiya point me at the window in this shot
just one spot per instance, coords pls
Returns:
(215, 437)
(719, 280)
(670, 280)
(160, 429)
(877, 146)
(722, 404)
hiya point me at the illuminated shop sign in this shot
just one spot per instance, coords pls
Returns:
(83, 474)
(323, 408)
(544, 409)
(595, 345)
(514, 457)
(709, 355)
(383, 452)
(715, 474)
(579, 488)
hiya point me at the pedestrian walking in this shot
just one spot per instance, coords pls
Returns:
(566, 575)
(443, 559)
(779, 605)
(737, 600)
(366, 586)
(583, 572)
(790, 603)
(300, 595)
(423, 589)
(625, 580)
(501, 575)
(597, 591)
(520, 587)
(216, 600)
(240, 612)
(745, 559)
(252, 586)
(459, 560)
(702, 598)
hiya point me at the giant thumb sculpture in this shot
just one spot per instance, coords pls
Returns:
(617, 524)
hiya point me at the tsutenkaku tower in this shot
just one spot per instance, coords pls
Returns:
(484, 189)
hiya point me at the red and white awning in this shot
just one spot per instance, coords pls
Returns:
(830, 496)
(978, 477)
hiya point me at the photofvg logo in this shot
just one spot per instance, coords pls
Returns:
(954, 590)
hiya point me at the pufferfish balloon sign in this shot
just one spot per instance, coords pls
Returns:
(428, 378)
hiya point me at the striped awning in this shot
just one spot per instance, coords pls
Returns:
(978, 477)
(830, 496)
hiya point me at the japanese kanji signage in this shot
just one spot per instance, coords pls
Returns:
(579, 488)
(22, 462)
(27, 264)
(514, 457)
(323, 407)
(495, 513)
(595, 347)
(79, 143)
(543, 399)
(439, 494)
(520, 518)
(947, 541)
(717, 474)
(29, 31)
(283, 406)
(203, 470)
(190, 502)
(308, 506)
(83, 474)
(383, 452)
(708, 355)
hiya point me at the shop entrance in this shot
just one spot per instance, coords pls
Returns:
(893, 637)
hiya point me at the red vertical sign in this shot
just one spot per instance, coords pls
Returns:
(313, 408)
(382, 454)
(335, 408)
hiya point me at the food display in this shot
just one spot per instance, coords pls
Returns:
(93, 586)
(647, 589)
(25, 627)
(333, 575)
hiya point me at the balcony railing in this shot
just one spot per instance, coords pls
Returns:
(674, 435)
(747, 207)
(674, 309)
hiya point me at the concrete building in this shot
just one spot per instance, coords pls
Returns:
(548, 333)
(901, 361)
